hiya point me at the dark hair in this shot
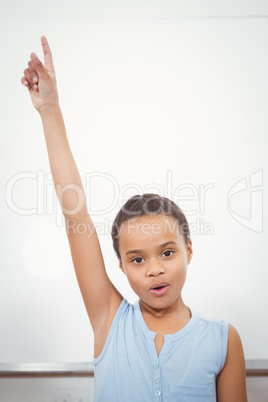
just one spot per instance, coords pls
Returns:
(148, 204)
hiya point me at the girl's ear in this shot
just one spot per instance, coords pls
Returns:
(189, 251)
(121, 266)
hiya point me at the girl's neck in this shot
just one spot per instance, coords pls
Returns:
(177, 309)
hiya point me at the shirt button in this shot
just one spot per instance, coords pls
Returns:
(156, 365)
(157, 380)
(157, 393)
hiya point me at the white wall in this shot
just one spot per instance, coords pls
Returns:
(156, 97)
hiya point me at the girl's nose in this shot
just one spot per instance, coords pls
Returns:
(155, 269)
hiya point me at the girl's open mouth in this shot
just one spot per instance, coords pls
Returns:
(159, 289)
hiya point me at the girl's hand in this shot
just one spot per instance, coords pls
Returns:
(40, 79)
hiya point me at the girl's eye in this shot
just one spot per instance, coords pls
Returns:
(167, 253)
(137, 260)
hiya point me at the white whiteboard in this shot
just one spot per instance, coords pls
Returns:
(154, 101)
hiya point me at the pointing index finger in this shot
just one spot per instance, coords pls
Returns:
(48, 62)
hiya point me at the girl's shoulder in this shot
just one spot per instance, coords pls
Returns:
(210, 321)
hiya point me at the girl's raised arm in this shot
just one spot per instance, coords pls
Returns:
(100, 296)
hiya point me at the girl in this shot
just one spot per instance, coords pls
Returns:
(157, 349)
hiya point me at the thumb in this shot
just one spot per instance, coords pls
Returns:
(38, 65)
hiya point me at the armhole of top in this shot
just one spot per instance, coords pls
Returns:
(120, 310)
(225, 330)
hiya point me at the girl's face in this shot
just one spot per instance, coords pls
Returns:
(154, 258)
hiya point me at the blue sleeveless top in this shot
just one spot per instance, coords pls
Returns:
(129, 369)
